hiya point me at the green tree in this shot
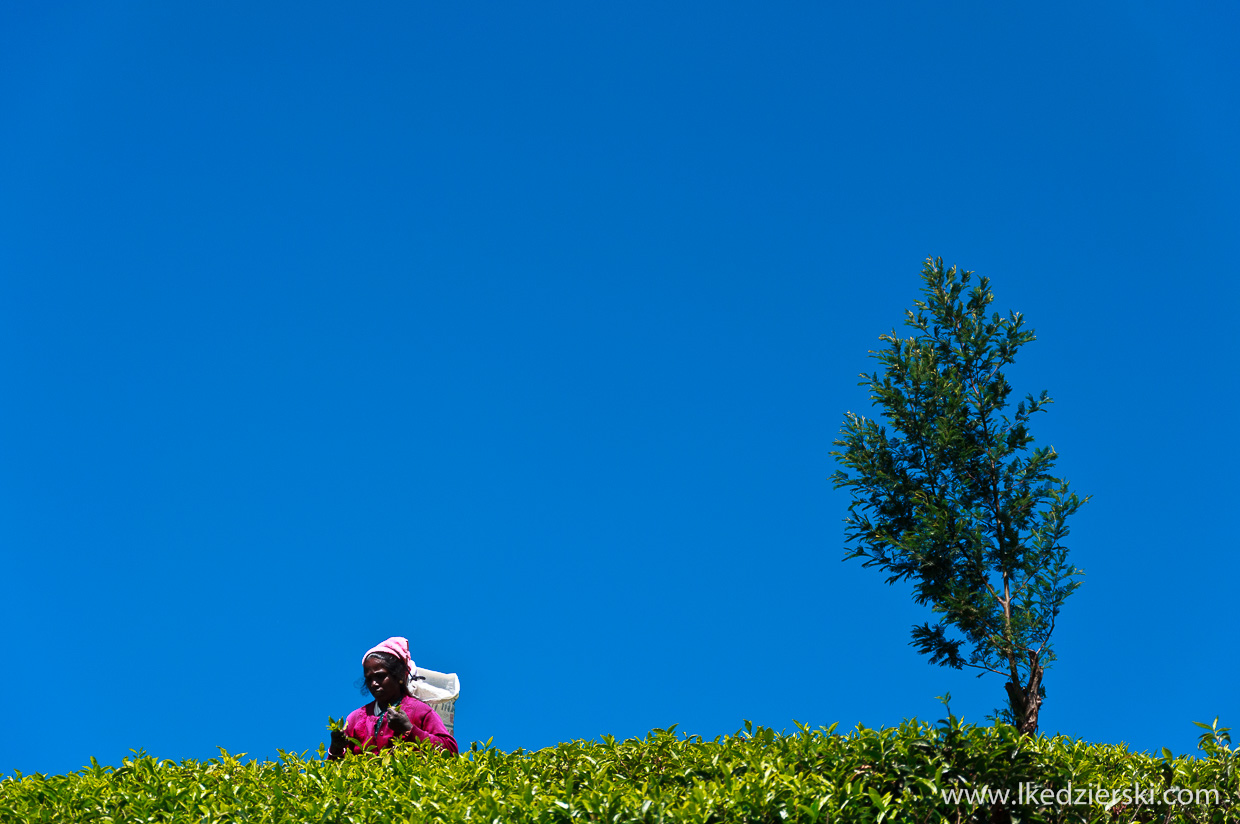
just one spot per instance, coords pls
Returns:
(956, 499)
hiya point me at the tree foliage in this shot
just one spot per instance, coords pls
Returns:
(956, 498)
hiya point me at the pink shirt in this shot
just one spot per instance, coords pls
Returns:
(427, 726)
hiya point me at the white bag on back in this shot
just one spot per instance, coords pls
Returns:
(440, 690)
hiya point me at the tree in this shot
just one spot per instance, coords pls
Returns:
(957, 500)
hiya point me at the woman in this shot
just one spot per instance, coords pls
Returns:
(394, 714)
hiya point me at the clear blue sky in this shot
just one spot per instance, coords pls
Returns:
(524, 332)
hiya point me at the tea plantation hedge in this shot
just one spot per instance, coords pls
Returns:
(867, 775)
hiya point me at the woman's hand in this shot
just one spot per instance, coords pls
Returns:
(339, 741)
(398, 721)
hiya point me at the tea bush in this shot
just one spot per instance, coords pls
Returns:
(900, 774)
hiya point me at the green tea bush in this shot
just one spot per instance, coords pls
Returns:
(916, 772)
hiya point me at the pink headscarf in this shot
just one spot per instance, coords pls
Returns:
(399, 647)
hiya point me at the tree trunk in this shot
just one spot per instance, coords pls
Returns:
(1026, 701)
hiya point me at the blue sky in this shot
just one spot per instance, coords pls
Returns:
(525, 333)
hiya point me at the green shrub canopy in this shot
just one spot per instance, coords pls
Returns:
(906, 773)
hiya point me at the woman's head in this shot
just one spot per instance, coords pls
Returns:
(386, 677)
(388, 662)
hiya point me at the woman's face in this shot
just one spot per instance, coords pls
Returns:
(381, 683)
